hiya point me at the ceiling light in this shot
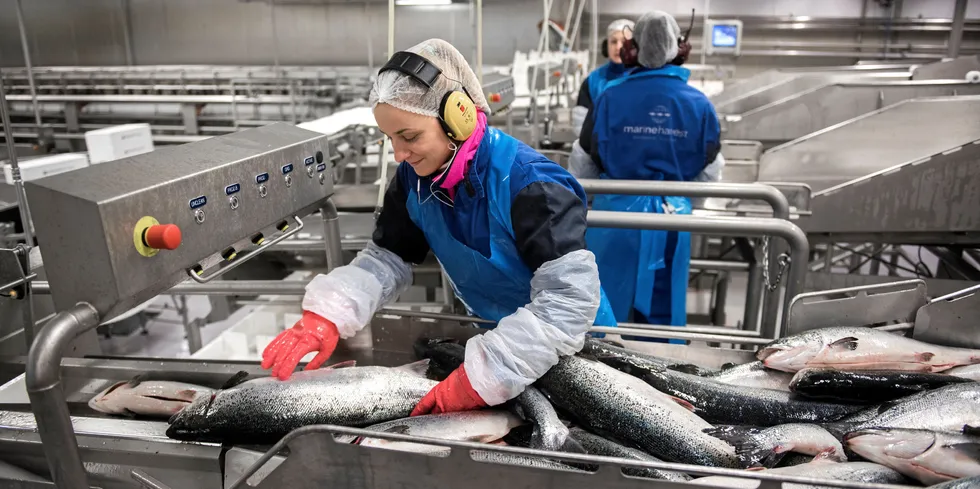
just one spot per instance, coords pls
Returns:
(423, 2)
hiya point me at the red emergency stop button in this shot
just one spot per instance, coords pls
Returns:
(162, 237)
(495, 97)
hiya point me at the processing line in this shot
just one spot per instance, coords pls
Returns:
(187, 103)
(783, 105)
(222, 193)
(99, 265)
(769, 79)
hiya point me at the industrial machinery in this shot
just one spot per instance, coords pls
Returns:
(888, 163)
(182, 103)
(231, 195)
(172, 221)
(778, 106)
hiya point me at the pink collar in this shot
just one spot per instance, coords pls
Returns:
(461, 162)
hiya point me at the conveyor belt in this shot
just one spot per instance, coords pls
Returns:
(927, 200)
(833, 102)
(896, 134)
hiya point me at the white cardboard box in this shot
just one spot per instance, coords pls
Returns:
(115, 142)
(44, 166)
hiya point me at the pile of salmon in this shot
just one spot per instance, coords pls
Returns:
(841, 403)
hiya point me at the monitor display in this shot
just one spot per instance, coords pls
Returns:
(724, 35)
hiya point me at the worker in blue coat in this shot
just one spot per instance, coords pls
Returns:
(592, 86)
(506, 224)
(649, 125)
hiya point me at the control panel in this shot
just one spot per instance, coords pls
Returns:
(499, 90)
(116, 234)
(723, 37)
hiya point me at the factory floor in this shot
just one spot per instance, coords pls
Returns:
(164, 335)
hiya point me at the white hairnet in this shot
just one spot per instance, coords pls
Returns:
(401, 91)
(656, 34)
(617, 26)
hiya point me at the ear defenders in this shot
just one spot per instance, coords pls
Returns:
(630, 52)
(457, 112)
(683, 45)
(605, 48)
(457, 115)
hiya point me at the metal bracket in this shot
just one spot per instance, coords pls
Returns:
(201, 279)
(317, 460)
(857, 306)
(950, 320)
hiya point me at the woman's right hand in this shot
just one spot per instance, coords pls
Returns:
(311, 333)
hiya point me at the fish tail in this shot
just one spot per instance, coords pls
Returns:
(572, 446)
(687, 368)
(417, 368)
(750, 452)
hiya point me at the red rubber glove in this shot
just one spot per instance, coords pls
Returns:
(311, 333)
(449, 396)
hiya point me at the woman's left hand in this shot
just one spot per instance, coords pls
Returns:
(451, 395)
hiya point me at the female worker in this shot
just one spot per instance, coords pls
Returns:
(597, 80)
(506, 224)
(648, 125)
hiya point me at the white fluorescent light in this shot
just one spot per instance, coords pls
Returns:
(423, 2)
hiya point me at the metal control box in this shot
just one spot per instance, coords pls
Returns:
(220, 192)
(499, 90)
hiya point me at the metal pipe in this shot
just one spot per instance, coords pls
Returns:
(275, 36)
(757, 191)
(723, 226)
(25, 212)
(594, 36)
(545, 31)
(331, 235)
(679, 333)
(573, 37)
(721, 296)
(391, 27)
(479, 40)
(956, 33)
(721, 265)
(127, 32)
(829, 259)
(27, 61)
(146, 480)
(958, 293)
(43, 382)
(753, 298)
(191, 329)
(316, 245)
(704, 22)
(10, 285)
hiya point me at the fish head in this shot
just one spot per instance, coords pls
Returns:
(789, 354)
(105, 401)
(875, 443)
(193, 419)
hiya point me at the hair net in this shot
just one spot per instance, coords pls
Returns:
(401, 91)
(617, 26)
(656, 34)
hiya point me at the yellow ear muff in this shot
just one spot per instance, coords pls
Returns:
(458, 115)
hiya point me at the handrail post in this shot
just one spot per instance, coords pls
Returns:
(43, 382)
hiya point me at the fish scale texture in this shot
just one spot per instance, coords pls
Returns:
(608, 401)
(264, 410)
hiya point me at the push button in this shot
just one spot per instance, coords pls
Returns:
(229, 254)
(162, 237)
